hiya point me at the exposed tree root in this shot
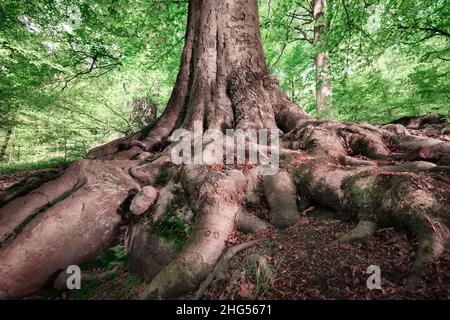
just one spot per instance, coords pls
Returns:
(215, 198)
(281, 195)
(385, 198)
(363, 231)
(246, 222)
(164, 200)
(430, 121)
(27, 185)
(147, 172)
(220, 266)
(71, 229)
(143, 200)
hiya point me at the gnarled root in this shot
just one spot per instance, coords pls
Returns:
(23, 187)
(165, 198)
(247, 222)
(281, 195)
(411, 202)
(363, 231)
(215, 198)
(220, 267)
(431, 122)
(63, 222)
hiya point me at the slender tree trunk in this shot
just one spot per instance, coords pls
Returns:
(5, 144)
(323, 76)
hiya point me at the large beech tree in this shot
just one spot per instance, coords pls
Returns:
(379, 176)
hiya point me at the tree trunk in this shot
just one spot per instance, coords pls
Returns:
(223, 83)
(143, 112)
(5, 145)
(323, 77)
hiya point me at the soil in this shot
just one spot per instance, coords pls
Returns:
(308, 267)
(9, 179)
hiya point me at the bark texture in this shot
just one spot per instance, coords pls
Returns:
(323, 76)
(66, 221)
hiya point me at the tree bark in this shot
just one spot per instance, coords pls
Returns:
(5, 144)
(143, 112)
(323, 76)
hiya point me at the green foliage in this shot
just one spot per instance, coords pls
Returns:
(87, 291)
(29, 166)
(388, 58)
(395, 86)
(108, 289)
(173, 225)
(67, 88)
(108, 260)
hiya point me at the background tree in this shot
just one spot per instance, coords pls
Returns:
(323, 77)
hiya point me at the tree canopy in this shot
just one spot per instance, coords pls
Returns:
(70, 70)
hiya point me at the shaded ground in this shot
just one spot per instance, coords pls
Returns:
(307, 267)
(304, 266)
(9, 179)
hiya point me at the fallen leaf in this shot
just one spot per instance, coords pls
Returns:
(246, 290)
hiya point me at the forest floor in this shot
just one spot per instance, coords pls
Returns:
(303, 265)
(306, 266)
(9, 179)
